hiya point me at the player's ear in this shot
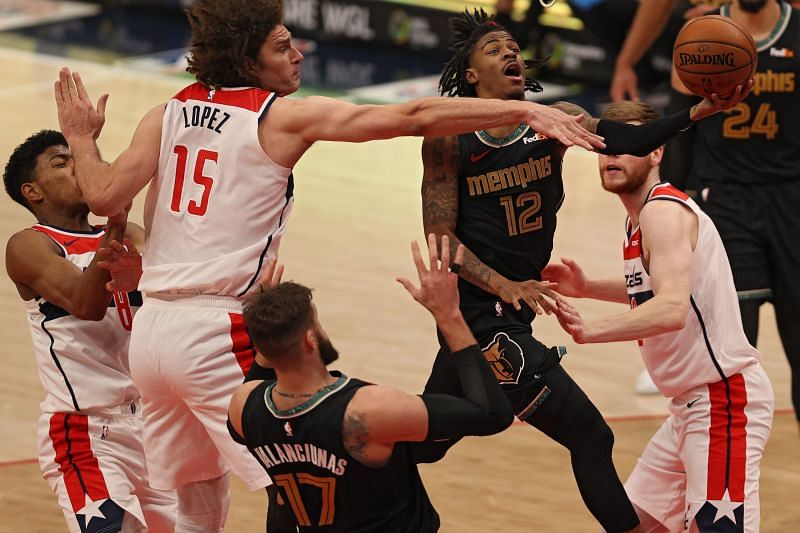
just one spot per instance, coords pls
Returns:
(310, 342)
(32, 192)
(656, 156)
(471, 76)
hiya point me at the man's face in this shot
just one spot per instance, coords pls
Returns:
(496, 68)
(277, 66)
(55, 178)
(624, 174)
(327, 352)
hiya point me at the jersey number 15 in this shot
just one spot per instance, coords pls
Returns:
(194, 207)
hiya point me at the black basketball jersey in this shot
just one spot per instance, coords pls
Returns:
(509, 193)
(328, 490)
(758, 141)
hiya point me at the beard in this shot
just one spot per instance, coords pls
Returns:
(623, 187)
(752, 6)
(327, 352)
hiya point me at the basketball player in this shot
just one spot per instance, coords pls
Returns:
(344, 451)
(497, 191)
(90, 432)
(218, 158)
(700, 471)
(747, 163)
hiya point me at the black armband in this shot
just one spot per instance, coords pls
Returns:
(622, 138)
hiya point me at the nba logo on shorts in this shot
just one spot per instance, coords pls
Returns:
(104, 433)
(498, 309)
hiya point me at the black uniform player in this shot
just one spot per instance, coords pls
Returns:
(343, 453)
(748, 164)
(498, 192)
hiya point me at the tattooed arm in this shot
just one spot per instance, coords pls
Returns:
(440, 158)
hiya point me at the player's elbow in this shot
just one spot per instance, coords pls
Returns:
(675, 316)
(101, 206)
(498, 422)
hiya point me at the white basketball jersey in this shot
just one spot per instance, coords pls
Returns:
(712, 345)
(218, 206)
(83, 364)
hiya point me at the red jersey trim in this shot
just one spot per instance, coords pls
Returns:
(666, 190)
(73, 243)
(249, 98)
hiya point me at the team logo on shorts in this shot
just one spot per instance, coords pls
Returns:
(505, 358)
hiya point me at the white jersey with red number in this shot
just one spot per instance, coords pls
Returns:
(218, 206)
(83, 364)
(712, 345)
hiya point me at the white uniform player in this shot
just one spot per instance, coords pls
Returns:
(90, 432)
(190, 348)
(703, 464)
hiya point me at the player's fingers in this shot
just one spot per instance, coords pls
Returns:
(415, 253)
(73, 91)
(459, 255)
(64, 81)
(533, 304)
(545, 304)
(80, 88)
(130, 246)
(444, 263)
(57, 93)
(101, 106)
(276, 279)
(407, 285)
(111, 286)
(433, 252)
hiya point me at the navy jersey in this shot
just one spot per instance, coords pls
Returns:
(509, 193)
(326, 488)
(758, 141)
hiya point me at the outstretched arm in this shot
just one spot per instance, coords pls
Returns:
(317, 118)
(570, 280)
(440, 158)
(106, 187)
(671, 235)
(640, 140)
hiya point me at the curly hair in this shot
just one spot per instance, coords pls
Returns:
(277, 317)
(630, 111)
(465, 30)
(21, 164)
(224, 34)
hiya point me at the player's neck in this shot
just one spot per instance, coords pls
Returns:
(761, 23)
(73, 222)
(634, 200)
(298, 383)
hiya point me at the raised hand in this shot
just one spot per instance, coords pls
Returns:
(77, 116)
(124, 262)
(438, 290)
(566, 128)
(567, 277)
(715, 104)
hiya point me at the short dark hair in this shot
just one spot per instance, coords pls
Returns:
(630, 111)
(466, 29)
(224, 33)
(278, 317)
(21, 164)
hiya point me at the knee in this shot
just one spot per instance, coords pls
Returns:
(203, 505)
(594, 439)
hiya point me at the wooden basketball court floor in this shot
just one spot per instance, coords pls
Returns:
(356, 212)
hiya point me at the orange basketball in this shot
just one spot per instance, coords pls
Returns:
(714, 54)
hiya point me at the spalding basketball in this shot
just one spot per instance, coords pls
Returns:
(714, 54)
